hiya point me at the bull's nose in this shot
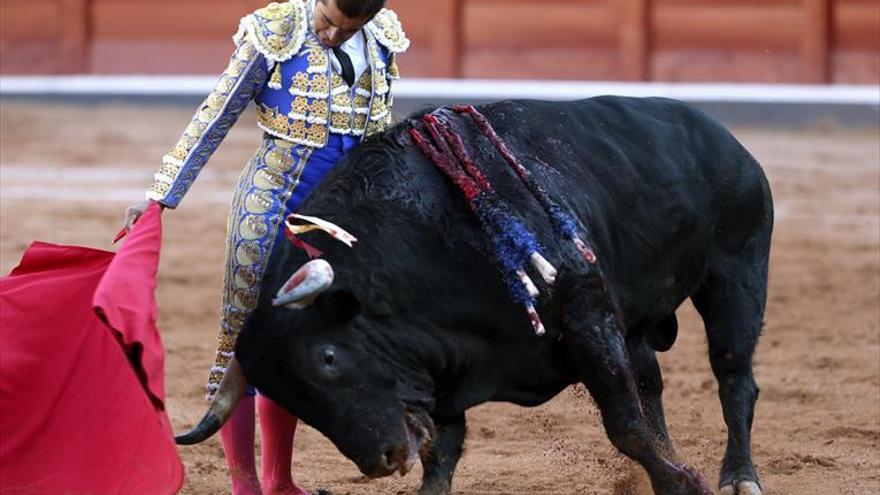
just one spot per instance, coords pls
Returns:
(392, 460)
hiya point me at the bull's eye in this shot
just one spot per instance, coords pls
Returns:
(329, 357)
(329, 362)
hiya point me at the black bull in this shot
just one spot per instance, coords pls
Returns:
(418, 325)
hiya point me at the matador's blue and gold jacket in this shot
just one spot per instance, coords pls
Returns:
(279, 63)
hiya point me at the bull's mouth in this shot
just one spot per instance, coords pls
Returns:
(402, 458)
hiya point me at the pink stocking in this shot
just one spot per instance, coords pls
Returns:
(277, 427)
(238, 445)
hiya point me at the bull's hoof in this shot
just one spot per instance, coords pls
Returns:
(741, 488)
(693, 481)
(436, 488)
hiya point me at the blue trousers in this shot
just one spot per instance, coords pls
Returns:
(278, 178)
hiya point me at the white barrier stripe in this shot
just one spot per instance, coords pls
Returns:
(92, 174)
(764, 93)
(107, 85)
(74, 174)
(124, 195)
(464, 89)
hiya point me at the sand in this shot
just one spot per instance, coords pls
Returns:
(68, 171)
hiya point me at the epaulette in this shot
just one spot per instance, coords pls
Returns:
(388, 31)
(277, 30)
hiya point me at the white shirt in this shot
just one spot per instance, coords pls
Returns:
(355, 47)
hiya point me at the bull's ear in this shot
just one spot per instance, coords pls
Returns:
(338, 305)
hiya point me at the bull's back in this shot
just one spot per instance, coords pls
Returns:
(662, 187)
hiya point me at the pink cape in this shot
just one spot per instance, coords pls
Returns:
(81, 372)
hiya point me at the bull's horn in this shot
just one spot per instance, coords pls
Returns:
(232, 389)
(311, 279)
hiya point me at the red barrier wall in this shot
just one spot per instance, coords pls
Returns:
(807, 41)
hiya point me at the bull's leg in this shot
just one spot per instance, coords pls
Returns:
(650, 388)
(596, 351)
(440, 461)
(731, 302)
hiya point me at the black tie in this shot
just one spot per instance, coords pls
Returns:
(345, 62)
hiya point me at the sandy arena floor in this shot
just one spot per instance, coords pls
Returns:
(68, 172)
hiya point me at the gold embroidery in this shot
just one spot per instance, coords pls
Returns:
(243, 299)
(236, 320)
(285, 145)
(270, 119)
(159, 189)
(247, 259)
(279, 160)
(275, 79)
(199, 124)
(178, 153)
(350, 106)
(317, 57)
(195, 129)
(301, 81)
(259, 202)
(206, 115)
(235, 68)
(277, 30)
(253, 227)
(365, 82)
(316, 87)
(312, 115)
(215, 100)
(300, 105)
(268, 180)
(225, 84)
(280, 122)
(276, 43)
(392, 69)
(378, 108)
(337, 83)
(376, 126)
(247, 253)
(187, 142)
(361, 101)
(298, 130)
(340, 122)
(280, 26)
(245, 277)
(392, 36)
(318, 134)
(319, 108)
(387, 29)
(342, 100)
(320, 84)
(360, 122)
(381, 85)
(226, 341)
(169, 170)
(245, 52)
(275, 11)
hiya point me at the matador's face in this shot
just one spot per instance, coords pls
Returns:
(332, 26)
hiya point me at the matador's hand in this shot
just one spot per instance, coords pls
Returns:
(133, 213)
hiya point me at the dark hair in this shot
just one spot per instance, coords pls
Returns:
(359, 8)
